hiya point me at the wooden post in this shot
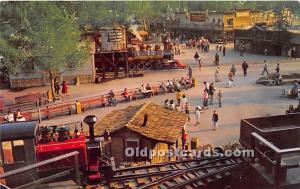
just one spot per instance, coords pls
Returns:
(39, 114)
(115, 66)
(278, 170)
(252, 143)
(126, 64)
(77, 173)
(103, 68)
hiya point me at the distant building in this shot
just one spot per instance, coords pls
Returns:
(258, 38)
(204, 23)
(243, 18)
(143, 126)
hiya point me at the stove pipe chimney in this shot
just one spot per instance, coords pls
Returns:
(91, 120)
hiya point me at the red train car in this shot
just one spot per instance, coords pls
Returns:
(25, 143)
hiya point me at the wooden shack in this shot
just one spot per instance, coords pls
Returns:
(111, 52)
(143, 126)
(259, 37)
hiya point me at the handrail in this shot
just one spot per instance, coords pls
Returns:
(267, 143)
(273, 147)
(39, 164)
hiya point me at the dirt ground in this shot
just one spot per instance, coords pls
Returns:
(244, 100)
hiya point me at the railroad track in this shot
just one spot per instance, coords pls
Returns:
(196, 173)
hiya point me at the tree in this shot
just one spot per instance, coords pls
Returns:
(56, 41)
(43, 34)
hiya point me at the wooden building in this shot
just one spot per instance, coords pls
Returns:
(204, 23)
(143, 126)
(258, 38)
(243, 18)
(111, 52)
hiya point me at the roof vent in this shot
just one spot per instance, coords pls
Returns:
(145, 120)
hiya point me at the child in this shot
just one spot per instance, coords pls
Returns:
(220, 95)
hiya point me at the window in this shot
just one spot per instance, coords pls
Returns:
(7, 152)
(19, 151)
(230, 21)
(13, 151)
(133, 143)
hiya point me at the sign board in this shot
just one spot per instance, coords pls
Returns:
(198, 17)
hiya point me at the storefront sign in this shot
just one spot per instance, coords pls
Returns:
(198, 17)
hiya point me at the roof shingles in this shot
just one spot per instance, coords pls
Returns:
(162, 124)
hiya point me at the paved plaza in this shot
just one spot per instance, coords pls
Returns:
(244, 100)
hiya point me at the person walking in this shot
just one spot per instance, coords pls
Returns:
(277, 68)
(266, 52)
(217, 74)
(220, 96)
(230, 79)
(200, 64)
(293, 53)
(265, 68)
(56, 87)
(245, 67)
(211, 91)
(215, 119)
(224, 49)
(217, 59)
(205, 99)
(190, 72)
(184, 100)
(178, 97)
(196, 57)
(187, 110)
(233, 69)
(197, 114)
(65, 88)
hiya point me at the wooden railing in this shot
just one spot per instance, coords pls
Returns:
(280, 168)
(38, 113)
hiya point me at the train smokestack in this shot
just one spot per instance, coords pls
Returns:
(91, 120)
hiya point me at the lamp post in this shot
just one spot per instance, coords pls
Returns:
(91, 120)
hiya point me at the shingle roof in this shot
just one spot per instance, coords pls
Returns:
(162, 124)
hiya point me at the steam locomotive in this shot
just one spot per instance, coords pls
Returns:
(25, 143)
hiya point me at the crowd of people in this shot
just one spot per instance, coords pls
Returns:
(201, 43)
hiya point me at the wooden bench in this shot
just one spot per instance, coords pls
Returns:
(93, 102)
(56, 109)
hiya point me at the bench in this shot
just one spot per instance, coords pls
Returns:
(90, 103)
(56, 109)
